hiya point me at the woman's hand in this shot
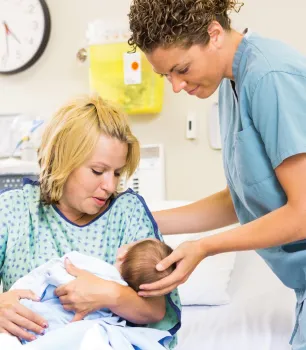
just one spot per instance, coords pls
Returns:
(86, 294)
(14, 317)
(186, 256)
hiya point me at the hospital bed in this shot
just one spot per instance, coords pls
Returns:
(259, 314)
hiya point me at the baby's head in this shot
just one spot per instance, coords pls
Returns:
(139, 266)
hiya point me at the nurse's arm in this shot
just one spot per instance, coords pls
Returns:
(210, 213)
(284, 225)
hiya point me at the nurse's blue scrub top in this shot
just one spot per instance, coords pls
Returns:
(263, 122)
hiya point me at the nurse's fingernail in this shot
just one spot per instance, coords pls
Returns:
(33, 338)
(45, 325)
(159, 267)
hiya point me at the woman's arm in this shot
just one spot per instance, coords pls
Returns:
(89, 293)
(128, 305)
(210, 213)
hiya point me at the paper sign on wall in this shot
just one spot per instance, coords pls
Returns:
(132, 68)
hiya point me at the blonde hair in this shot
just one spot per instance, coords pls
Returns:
(71, 136)
(139, 266)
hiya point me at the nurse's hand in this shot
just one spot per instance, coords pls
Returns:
(15, 318)
(186, 256)
(86, 294)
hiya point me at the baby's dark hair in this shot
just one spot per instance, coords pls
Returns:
(139, 266)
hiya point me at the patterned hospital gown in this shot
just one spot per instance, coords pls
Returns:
(32, 234)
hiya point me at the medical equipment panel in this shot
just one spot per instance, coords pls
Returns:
(14, 170)
(14, 181)
(149, 178)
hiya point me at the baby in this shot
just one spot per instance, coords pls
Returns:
(138, 267)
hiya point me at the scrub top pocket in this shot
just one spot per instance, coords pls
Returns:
(251, 160)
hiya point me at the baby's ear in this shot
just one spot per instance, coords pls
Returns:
(121, 253)
(118, 266)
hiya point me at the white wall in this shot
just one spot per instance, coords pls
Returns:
(193, 169)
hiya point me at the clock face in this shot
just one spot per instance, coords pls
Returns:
(24, 33)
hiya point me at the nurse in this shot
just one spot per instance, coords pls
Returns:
(262, 103)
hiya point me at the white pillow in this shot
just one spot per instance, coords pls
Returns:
(208, 284)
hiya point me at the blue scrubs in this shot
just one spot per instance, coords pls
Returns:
(263, 122)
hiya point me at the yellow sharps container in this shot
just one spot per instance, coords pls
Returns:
(123, 77)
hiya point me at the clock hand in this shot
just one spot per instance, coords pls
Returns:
(6, 40)
(9, 32)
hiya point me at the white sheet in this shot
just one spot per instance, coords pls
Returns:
(260, 316)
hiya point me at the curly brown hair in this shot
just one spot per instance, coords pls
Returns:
(164, 23)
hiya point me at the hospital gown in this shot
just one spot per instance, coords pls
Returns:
(32, 234)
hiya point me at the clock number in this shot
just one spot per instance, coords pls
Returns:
(31, 9)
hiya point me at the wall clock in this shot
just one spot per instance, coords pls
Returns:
(24, 33)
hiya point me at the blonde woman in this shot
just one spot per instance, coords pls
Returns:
(86, 148)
